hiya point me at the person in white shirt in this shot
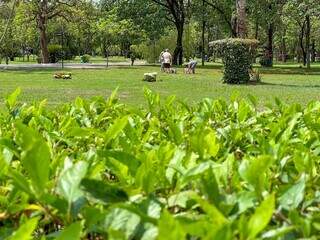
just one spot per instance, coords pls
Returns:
(167, 61)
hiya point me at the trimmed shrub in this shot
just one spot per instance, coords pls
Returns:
(55, 52)
(85, 58)
(237, 55)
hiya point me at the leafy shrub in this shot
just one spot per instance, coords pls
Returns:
(85, 58)
(55, 52)
(39, 59)
(101, 170)
(237, 55)
(265, 59)
(265, 62)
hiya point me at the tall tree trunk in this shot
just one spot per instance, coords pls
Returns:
(43, 39)
(203, 42)
(284, 49)
(313, 51)
(269, 48)
(308, 32)
(178, 52)
(203, 34)
(42, 20)
(256, 35)
(302, 45)
(241, 19)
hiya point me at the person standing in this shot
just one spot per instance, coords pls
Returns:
(167, 61)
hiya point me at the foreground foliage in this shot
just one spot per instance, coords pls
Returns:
(100, 170)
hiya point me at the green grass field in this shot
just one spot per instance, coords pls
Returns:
(289, 83)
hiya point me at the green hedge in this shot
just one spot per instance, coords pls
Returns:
(237, 55)
(98, 169)
(85, 58)
(55, 53)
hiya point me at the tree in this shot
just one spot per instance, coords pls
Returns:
(177, 10)
(241, 18)
(302, 12)
(148, 19)
(8, 18)
(225, 9)
(42, 11)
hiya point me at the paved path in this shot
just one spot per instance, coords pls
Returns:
(67, 65)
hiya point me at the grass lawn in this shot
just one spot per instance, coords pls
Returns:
(289, 83)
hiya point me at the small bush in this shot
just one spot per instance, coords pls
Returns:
(55, 52)
(266, 61)
(39, 59)
(85, 58)
(237, 55)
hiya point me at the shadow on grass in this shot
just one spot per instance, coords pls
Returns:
(287, 85)
(290, 70)
(284, 69)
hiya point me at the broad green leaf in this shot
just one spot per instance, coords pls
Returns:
(113, 97)
(211, 144)
(261, 217)
(72, 232)
(204, 141)
(279, 232)
(4, 165)
(20, 181)
(225, 233)
(176, 131)
(217, 218)
(243, 111)
(25, 231)
(170, 228)
(246, 200)
(181, 199)
(197, 226)
(292, 198)
(121, 221)
(175, 164)
(116, 128)
(125, 158)
(103, 191)
(35, 157)
(146, 179)
(69, 181)
(198, 171)
(210, 188)
(79, 132)
(144, 214)
(254, 171)
(36, 161)
(12, 98)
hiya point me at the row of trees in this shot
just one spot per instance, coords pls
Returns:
(286, 29)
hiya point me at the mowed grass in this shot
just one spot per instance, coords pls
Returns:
(288, 83)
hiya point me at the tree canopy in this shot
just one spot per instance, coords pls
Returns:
(285, 29)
